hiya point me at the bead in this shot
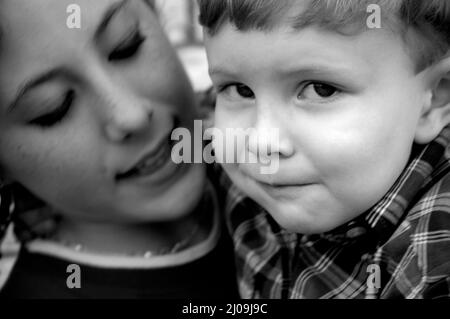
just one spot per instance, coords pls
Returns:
(356, 232)
(148, 254)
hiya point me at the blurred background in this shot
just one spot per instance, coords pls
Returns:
(179, 19)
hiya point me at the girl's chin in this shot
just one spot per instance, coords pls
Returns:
(167, 202)
(188, 190)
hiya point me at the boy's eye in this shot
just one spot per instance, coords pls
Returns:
(128, 48)
(58, 114)
(238, 91)
(315, 91)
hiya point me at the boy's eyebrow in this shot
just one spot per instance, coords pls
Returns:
(292, 71)
(36, 81)
(318, 70)
(108, 15)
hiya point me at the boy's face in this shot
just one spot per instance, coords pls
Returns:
(90, 134)
(346, 108)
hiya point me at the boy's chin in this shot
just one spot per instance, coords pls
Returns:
(308, 209)
(295, 218)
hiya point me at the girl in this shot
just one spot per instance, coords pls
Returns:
(86, 117)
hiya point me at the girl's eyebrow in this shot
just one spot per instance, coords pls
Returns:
(109, 15)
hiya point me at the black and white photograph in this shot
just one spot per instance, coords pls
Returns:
(224, 155)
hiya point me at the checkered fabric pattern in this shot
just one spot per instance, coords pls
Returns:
(400, 248)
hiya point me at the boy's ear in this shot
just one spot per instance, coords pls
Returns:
(436, 110)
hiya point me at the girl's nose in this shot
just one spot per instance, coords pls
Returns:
(127, 116)
(125, 126)
(128, 120)
(122, 112)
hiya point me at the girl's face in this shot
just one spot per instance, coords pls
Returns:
(86, 114)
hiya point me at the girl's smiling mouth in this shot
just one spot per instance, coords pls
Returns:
(154, 165)
(150, 163)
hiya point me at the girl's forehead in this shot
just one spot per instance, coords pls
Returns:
(58, 16)
(41, 30)
(38, 31)
(22, 11)
(42, 35)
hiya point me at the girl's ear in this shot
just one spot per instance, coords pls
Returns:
(436, 110)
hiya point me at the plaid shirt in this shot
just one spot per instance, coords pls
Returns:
(398, 249)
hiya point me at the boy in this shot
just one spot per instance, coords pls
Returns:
(362, 193)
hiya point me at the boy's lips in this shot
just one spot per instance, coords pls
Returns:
(279, 185)
(292, 192)
(283, 178)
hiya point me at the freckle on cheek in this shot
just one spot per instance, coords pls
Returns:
(27, 158)
(23, 152)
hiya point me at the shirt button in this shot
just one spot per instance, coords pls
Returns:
(356, 232)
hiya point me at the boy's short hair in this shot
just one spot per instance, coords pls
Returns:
(150, 3)
(429, 19)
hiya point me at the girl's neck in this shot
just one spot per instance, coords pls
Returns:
(138, 239)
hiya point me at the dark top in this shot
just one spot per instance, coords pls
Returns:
(37, 275)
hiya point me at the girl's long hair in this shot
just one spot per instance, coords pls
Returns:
(15, 202)
(7, 207)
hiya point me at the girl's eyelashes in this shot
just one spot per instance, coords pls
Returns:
(57, 115)
(318, 91)
(128, 48)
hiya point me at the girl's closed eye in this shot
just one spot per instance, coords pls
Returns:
(128, 48)
(57, 114)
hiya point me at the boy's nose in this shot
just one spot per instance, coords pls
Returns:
(269, 137)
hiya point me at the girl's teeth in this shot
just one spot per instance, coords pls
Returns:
(150, 165)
